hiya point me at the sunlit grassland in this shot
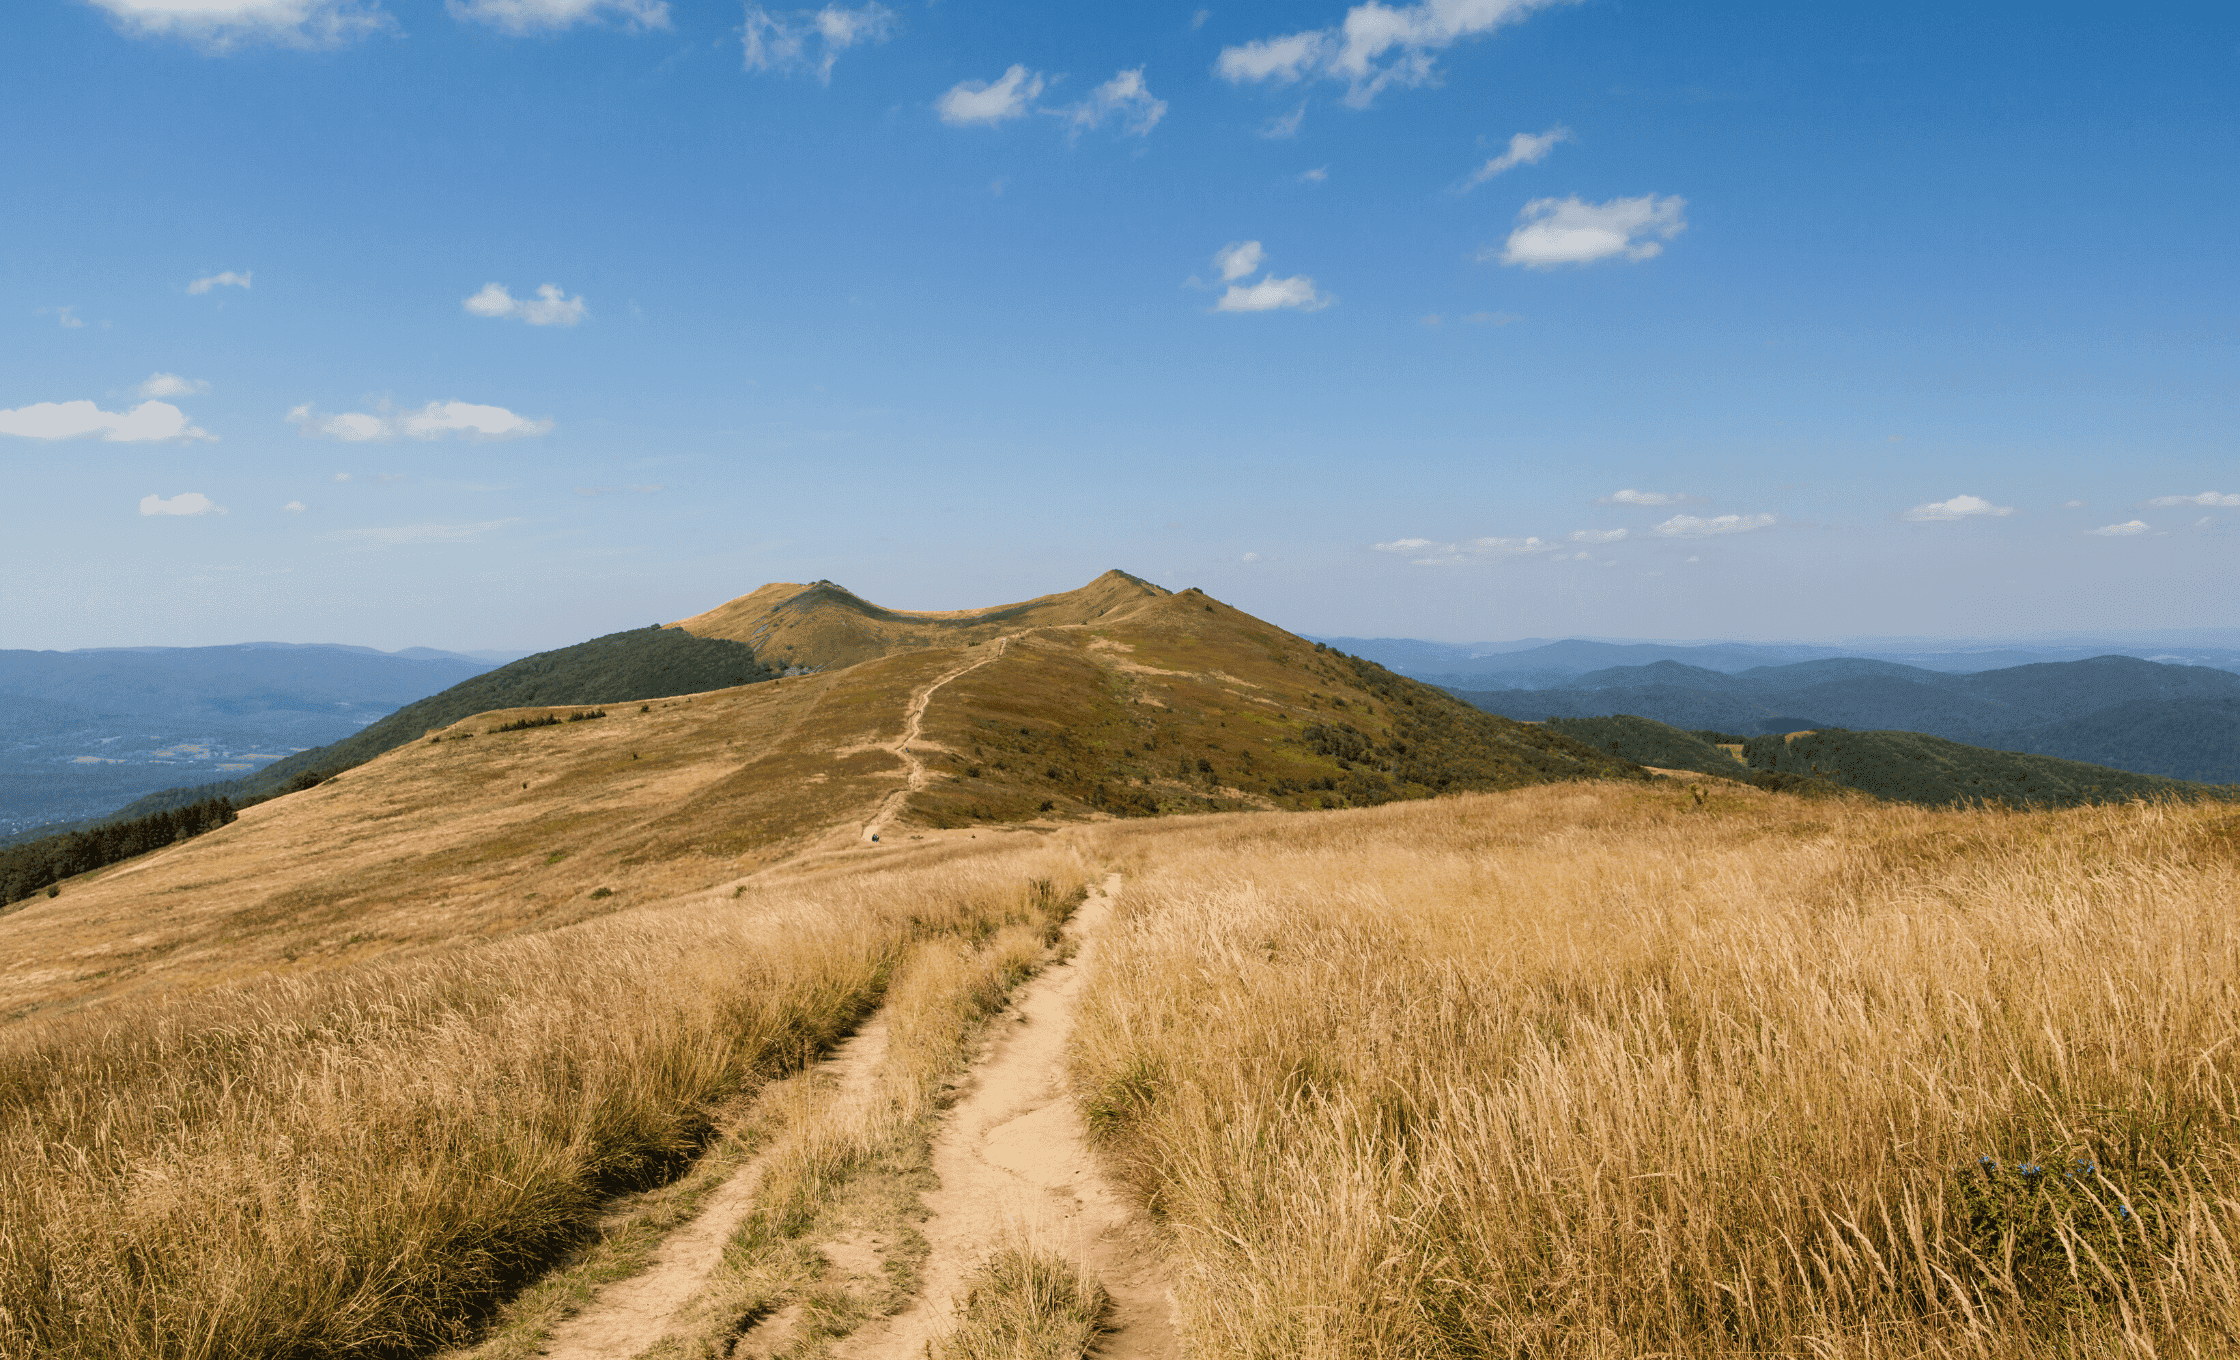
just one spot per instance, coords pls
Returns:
(1594, 1071)
(364, 1161)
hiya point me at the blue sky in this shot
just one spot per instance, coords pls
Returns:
(505, 323)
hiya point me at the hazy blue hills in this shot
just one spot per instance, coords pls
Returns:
(2179, 722)
(84, 732)
(1538, 663)
(1906, 766)
(643, 663)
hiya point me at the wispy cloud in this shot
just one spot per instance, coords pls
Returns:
(1599, 535)
(1284, 125)
(1959, 507)
(550, 307)
(1124, 98)
(434, 421)
(149, 422)
(2128, 529)
(645, 490)
(1559, 231)
(1429, 552)
(224, 279)
(171, 385)
(1525, 148)
(812, 40)
(1692, 526)
(987, 103)
(1271, 294)
(541, 16)
(295, 507)
(1629, 496)
(223, 25)
(407, 535)
(66, 317)
(1318, 175)
(1375, 46)
(2205, 498)
(185, 503)
(1238, 258)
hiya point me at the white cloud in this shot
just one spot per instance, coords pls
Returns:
(1237, 259)
(1273, 294)
(1124, 97)
(1598, 535)
(433, 421)
(407, 535)
(1318, 175)
(1198, 20)
(2072, 505)
(645, 490)
(777, 42)
(2205, 498)
(221, 25)
(67, 318)
(1959, 507)
(1249, 557)
(1425, 552)
(1493, 318)
(2128, 529)
(1560, 231)
(224, 279)
(1374, 46)
(980, 101)
(551, 307)
(295, 507)
(1432, 319)
(1284, 125)
(1525, 148)
(1631, 497)
(147, 422)
(185, 503)
(1692, 526)
(533, 16)
(171, 385)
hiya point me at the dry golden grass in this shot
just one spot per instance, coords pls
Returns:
(362, 1163)
(1590, 1071)
(1026, 1304)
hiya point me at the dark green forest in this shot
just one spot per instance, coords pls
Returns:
(27, 870)
(1904, 766)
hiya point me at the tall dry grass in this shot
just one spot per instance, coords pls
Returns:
(361, 1163)
(1588, 1071)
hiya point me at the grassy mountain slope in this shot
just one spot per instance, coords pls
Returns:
(644, 663)
(1184, 705)
(823, 625)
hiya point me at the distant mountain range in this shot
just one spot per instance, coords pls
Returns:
(2148, 717)
(1537, 663)
(84, 732)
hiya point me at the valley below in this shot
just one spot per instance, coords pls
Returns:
(1115, 973)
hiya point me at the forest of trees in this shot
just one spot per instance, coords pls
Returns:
(37, 866)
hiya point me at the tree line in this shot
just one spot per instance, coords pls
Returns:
(28, 869)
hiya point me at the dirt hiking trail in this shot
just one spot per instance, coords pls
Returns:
(631, 1315)
(1015, 1169)
(911, 730)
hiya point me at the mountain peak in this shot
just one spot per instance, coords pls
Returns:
(824, 625)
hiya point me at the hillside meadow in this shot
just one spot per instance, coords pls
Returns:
(1579, 1069)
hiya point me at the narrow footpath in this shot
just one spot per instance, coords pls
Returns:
(912, 727)
(1016, 1169)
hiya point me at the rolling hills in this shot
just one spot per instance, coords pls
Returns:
(1161, 703)
(82, 733)
(1906, 767)
(2178, 722)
